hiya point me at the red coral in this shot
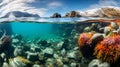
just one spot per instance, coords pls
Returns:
(84, 38)
(109, 49)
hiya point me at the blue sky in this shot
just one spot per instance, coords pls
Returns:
(79, 5)
(46, 8)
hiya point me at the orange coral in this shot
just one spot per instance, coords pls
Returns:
(84, 38)
(109, 49)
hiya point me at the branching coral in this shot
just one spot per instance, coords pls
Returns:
(84, 38)
(109, 49)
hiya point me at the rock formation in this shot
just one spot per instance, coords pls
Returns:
(56, 15)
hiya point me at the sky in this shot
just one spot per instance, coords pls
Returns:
(46, 8)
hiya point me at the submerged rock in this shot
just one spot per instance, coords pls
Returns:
(19, 51)
(48, 52)
(15, 41)
(73, 64)
(97, 37)
(107, 30)
(63, 52)
(72, 55)
(36, 65)
(59, 62)
(16, 62)
(60, 45)
(114, 25)
(5, 64)
(98, 63)
(32, 56)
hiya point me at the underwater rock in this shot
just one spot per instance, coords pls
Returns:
(49, 65)
(35, 49)
(32, 56)
(43, 43)
(87, 29)
(26, 47)
(48, 52)
(97, 37)
(41, 57)
(1, 61)
(55, 55)
(59, 62)
(73, 64)
(5, 64)
(15, 41)
(65, 60)
(2, 55)
(72, 55)
(63, 52)
(98, 63)
(59, 45)
(56, 15)
(65, 66)
(114, 25)
(19, 51)
(36, 65)
(118, 31)
(50, 61)
(107, 30)
(16, 62)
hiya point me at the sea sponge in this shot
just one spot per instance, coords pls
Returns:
(108, 50)
(84, 38)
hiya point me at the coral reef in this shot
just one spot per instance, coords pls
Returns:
(84, 39)
(109, 49)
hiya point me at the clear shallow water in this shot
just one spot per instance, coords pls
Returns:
(32, 30)
(42, 38)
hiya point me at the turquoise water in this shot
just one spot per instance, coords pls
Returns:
(34, 30)
(48, 39)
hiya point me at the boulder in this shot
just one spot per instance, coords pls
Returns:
(48, 52)
(72, 14)
(98, 63)
(56, 15)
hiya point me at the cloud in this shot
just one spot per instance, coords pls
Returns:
(95, 9)
(21, 5)
(55, 4)
(104, 3)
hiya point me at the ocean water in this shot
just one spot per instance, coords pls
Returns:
(55, 44)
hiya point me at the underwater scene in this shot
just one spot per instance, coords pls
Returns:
(59, 33)
(58, 44)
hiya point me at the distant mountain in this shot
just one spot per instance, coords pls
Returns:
(108, 12)
(105, 12)
(19, 14)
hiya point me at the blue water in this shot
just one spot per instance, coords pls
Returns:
(33, 30)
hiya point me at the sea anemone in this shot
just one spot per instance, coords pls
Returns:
(108, 50)
(84, 39)
(84, 42)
